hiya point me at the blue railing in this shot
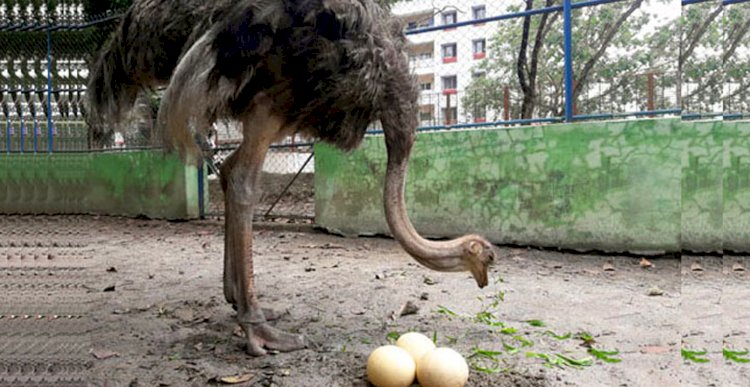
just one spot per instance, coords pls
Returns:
(566, 8)
(569, 115)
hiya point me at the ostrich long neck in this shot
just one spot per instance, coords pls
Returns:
(441, 256)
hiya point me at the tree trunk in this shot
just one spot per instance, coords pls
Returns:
(527, 67)
(527, 106)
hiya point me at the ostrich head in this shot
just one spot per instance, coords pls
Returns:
(399, 109)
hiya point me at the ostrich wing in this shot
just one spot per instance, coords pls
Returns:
(212, 73)
(323, 64)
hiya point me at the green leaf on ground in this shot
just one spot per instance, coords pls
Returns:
(485, 353)
(736, 356)
(560, 360)
(488, 370)
(605, 356)
(587, 339)
(524, 341)
(443, 310)
(510, 349)
(487, 318)
(558, 337)
(694, 356)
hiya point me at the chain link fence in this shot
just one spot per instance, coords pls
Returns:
(43, 72)
(477, 63)
(46, 51)
(287, 184)
(483, 62)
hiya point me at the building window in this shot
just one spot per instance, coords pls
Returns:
(426, 115)
(425, 86)
(478, 74)
(450, 115)
(449, 52)
(478, 12)
(479, 47)
(450, 17)
(417, 59)
(450, 84)
(411, 26)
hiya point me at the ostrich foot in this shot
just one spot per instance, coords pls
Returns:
(262, 337)
(270, 314)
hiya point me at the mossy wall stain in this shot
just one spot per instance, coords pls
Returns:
(647, 185)
(146, 183)
(735, 138)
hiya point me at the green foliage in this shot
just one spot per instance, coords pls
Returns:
(694, 356)
(735, 24)
(560, 360)
(556, 336)
(443, 310)
(605, 356)
(736, 356)
(701, 58)
(627, 54)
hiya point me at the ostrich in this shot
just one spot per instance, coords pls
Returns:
(325, 69)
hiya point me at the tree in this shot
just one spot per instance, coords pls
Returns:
(700, 61)
(736, 59)
(527, 58)
(527, 66)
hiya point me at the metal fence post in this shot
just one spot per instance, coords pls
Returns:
(49, 88)
(568, 46)
(506, 103)
(23, 123)
(650, 100)
(201, 191)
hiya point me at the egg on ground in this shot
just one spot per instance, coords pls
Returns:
(391, 366)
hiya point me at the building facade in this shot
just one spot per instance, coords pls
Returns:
(445, 61)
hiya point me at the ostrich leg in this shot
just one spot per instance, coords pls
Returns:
(240, 178)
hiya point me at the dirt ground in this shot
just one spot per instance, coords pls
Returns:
(122, 302)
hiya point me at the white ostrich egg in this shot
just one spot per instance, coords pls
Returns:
(391, 366)
(416, 344)
(442, 367)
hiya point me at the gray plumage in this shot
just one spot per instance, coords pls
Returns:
(332, 67)
(324, 68)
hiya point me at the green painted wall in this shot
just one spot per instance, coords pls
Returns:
(135, 183)
(736, 187)
(634, 185)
